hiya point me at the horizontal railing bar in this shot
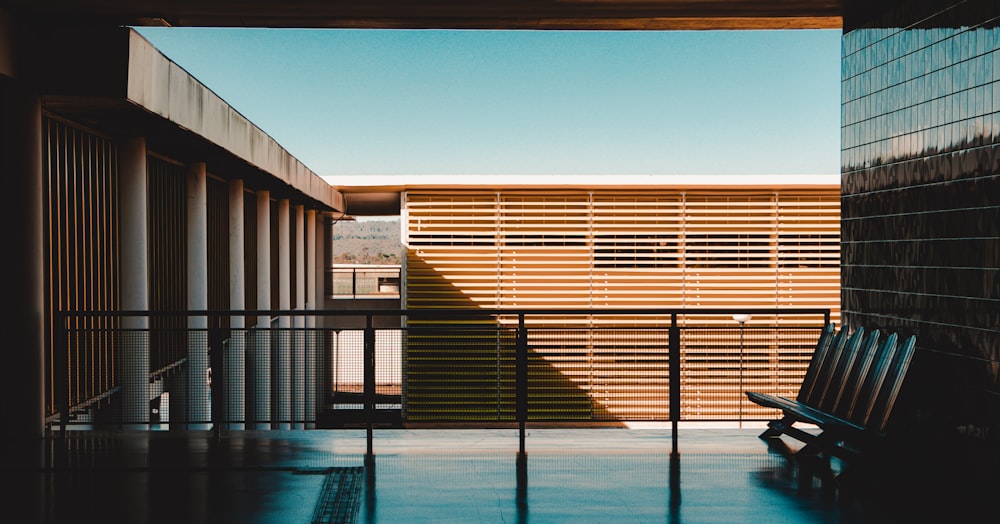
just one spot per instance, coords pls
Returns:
(456, 312)
(569, 380)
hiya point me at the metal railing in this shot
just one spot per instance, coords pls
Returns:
(312, 369)
(351, 281)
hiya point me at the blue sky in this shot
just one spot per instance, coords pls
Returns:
(429, 102)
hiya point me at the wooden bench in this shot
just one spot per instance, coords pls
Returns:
(848, 394)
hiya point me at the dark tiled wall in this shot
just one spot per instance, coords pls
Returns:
(921, 194)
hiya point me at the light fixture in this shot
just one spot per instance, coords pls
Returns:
(742, 318)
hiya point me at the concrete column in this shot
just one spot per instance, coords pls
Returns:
(22, 375)
(283, 356)
(235, 357)
(299, 323)
(134, 357)
(324, 354)
(199, 408)
(259, 355)
(311, 347)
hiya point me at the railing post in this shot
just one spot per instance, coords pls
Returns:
(739, 395)
(369, 395)
(521, 377)
(61, 365)
(675, 379)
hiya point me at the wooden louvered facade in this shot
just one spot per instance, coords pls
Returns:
(610, 249)
(719, 247)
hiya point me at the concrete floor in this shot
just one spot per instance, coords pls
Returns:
(621, 475)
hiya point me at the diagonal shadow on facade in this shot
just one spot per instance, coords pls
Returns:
(461, 368)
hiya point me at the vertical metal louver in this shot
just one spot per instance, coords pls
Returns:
(218, 247)
(167, 205)
(82, 232)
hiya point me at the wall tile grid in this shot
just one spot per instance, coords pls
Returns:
(920, 193)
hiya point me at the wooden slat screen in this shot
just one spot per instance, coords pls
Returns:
(719, 248)
(439, 227)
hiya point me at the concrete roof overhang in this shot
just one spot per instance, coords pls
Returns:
(381, 195)
(454, 14)
(116, 83)
(374, 199)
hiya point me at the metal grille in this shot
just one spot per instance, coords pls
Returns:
(719, 364)
(340, 496)
(459, 373)
(448, 369)
(599, 374)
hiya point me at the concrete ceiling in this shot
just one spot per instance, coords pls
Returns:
(452, 14)
(439, 14)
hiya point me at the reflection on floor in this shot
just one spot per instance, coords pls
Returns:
(430, 475)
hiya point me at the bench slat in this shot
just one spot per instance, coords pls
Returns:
(869, 388)
(888, 393)
(829, 339)
(834, 379)
(844, 376)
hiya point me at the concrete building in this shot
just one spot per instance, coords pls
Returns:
(920, 235)
(139, 189)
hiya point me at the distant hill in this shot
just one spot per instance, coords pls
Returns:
(366, 242)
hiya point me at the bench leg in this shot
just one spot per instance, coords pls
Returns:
(776, 428)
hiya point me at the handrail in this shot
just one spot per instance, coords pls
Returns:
(454, 311)
(670, 354)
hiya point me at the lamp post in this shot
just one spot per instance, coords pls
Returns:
(742, 318)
